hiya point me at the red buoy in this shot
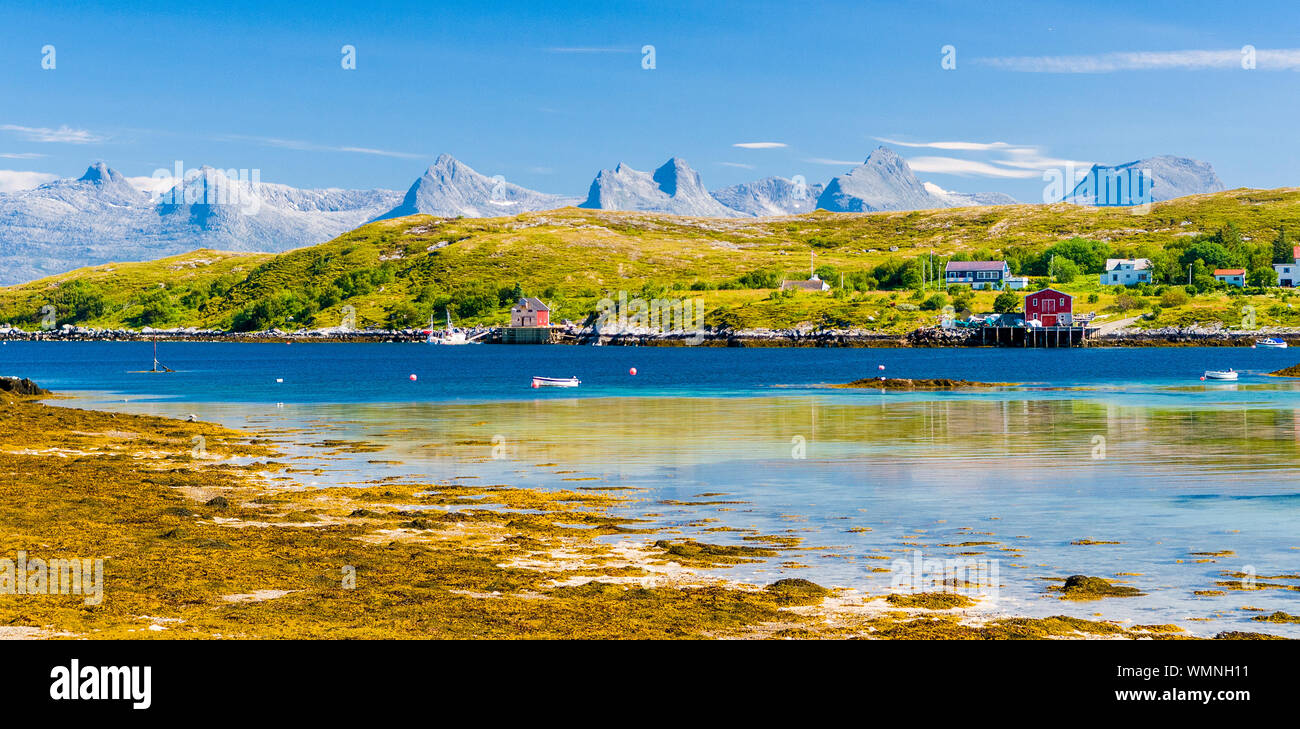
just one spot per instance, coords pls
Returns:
(632, 371)
(535, 385)
(882, 367)
(412, 378)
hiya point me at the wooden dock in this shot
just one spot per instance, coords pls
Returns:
(1036, 336)
(528, 335)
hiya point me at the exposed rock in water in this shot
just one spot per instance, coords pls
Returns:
(936, 383)
(1082, 587)
(797, 589)
(21, 386)
(1292, 371)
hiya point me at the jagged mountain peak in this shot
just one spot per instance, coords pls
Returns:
(451, 188)
(674, 188)
(884, 181)
(1165, 177)
(101, 173)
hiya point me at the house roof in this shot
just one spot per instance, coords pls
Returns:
(1058, 293)
(1229, 272)
(529, 302)
(975, 266)
(812, 284)
(1138, 264)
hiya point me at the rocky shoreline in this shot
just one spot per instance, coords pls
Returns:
(1193, 336)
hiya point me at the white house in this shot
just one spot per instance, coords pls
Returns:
(1231, 276)
(1126, 271)
(1287, 273)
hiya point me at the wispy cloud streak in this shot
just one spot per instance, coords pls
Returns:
(1279, 59)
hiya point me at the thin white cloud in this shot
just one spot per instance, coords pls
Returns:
(64, 134)
(737, 164)
(1280, 59)
(760, 145)
(590, 50)
(992, 159)
(953, 146)
(836, 162)
(966, 168)
(20, 155)
(16, 180)
(302, 146)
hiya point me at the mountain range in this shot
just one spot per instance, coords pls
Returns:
(102, 217)
(1146, 180)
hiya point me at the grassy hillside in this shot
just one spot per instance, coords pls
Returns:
(399, 272)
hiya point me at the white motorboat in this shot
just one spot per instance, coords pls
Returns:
(556, 382)
(450, 335)
(1270, 343)
(1221, 375)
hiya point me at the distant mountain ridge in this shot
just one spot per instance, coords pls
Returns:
(450, 188)
(1153, 179)
(673, 188)
(101, 216)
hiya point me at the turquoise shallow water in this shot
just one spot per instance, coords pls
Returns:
(746, 440)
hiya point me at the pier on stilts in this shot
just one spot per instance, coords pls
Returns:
(1036, 336)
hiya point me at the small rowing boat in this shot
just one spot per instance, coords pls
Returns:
(556, 382)
(1222, 375)
(1270, 343)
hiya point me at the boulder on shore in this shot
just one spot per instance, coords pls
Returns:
(21, 386)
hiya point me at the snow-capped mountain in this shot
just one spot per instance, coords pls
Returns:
(771, 196)
(450, 188)
(1145, 180)
(883, 182)
(102, 217)
(886, 182)
(674, 188)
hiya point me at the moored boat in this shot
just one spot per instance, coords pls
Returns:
(556, 382)
(1222, 375)
(1270, 343)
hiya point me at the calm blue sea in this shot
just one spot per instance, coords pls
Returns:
(342, 373)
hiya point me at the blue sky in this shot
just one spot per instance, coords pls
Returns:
(547, 94)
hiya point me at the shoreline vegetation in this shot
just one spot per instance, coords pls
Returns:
(205, 534)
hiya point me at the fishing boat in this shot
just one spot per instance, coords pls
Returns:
(556, 382)
(157, 368)
(1221, 375)
(1270, 343)
(450, 335)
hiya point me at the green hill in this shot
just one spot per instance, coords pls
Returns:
(398, 273)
